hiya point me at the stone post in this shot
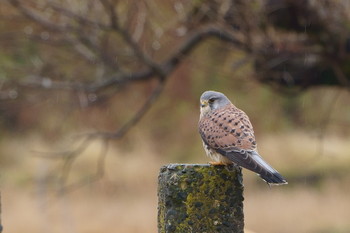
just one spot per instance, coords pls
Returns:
(200, 198)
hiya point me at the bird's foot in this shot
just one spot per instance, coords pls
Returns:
(232, 167)
(220, 163)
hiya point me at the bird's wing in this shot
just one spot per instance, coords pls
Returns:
(252, 161)
(229, 132)
(227, 128)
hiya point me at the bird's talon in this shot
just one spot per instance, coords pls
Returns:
(216, 163)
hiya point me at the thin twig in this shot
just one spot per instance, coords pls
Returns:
(120, 132)
(45, 22)
(100, 171)
(325, 122)
(79, 18)
(67, 153)
(340, 76)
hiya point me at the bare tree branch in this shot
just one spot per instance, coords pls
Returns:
(83, 34)
(103, 42)
(340, 75)
(325, 123)
(99, 173)
(70, 156)
(39, 18)
(164, 69)
(113, 17)
(137, 116)
(79, 18)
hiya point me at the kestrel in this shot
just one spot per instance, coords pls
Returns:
(228, 137)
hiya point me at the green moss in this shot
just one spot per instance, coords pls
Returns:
(200, 198)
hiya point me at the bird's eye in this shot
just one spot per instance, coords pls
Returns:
(211, 101)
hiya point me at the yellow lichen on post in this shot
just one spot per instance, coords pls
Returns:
(200, 198)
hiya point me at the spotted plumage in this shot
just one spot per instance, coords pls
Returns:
(228, 136)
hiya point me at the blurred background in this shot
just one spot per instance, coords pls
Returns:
(97, 95)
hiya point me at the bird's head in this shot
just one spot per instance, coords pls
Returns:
(212, 100)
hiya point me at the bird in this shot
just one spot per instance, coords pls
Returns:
(228, 137)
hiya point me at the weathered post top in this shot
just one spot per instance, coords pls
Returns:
(200, 198)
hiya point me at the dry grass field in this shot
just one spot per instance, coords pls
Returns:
(125, 199)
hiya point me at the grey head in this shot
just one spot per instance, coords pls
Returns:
(212, 100)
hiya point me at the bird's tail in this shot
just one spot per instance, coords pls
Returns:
(268, 173)
(251, 160)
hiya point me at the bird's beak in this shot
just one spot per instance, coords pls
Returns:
(204, 103)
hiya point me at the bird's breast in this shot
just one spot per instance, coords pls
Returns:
(215, 156)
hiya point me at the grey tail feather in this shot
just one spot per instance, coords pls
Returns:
(251, 160)
(273, 178)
